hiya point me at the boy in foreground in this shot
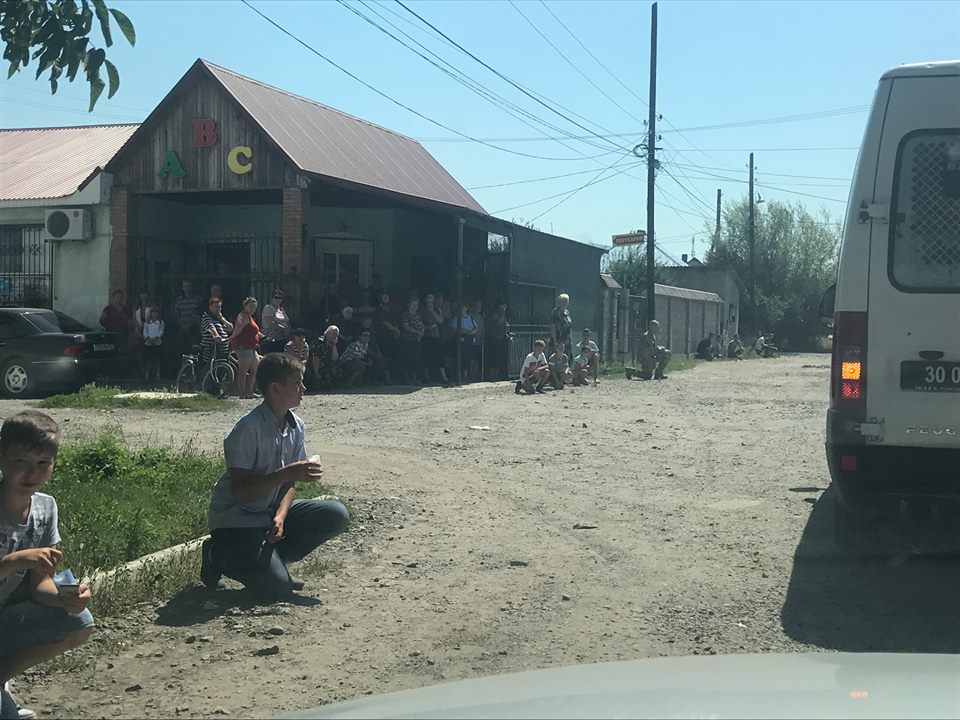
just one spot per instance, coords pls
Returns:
(38, 620)
(535, 371)
(256, 527)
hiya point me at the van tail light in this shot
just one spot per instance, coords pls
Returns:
(848, 377)
(75, 350)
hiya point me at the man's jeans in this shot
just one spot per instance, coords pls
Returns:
(245, 555)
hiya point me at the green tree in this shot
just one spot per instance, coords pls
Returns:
(796, 260)
(56, 33)
(628, 265)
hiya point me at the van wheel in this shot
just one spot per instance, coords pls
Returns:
(854, 532)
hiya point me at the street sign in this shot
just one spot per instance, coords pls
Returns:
(635, 238)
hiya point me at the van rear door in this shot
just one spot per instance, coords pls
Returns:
(913, 350)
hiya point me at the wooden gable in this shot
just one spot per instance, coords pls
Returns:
(200, 139)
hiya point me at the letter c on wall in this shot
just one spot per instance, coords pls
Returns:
(233, 159)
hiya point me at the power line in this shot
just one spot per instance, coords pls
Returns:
(57, 108)
(466, 80)
(391, 99)
(571, 63)
(541, 179)
(585, 185)
(548, 105)
(596, 179)
(777, 120)
(805, 177)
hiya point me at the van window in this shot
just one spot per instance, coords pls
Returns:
(925, 213)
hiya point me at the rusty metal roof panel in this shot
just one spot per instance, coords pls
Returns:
(326, 142)
(41, 163)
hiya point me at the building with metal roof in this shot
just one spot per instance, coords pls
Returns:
(230, 181)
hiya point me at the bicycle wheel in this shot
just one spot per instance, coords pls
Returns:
(218, 379)
(186, 379)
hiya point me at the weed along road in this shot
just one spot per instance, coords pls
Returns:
(496, 533)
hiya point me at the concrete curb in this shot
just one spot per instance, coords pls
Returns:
(157, 561)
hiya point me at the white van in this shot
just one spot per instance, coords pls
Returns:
(893, 427)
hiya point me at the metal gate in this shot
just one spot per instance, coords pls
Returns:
(530, 306)
(26, 267)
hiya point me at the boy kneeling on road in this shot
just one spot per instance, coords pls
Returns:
(37, 620)
(535, 371)
(256, 527)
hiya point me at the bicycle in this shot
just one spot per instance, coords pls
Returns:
(217, 373)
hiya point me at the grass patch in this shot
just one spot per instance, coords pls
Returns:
(103, 398)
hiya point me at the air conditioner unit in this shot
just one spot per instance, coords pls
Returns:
(68, 224)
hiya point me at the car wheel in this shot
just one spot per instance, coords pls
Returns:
(15, 378)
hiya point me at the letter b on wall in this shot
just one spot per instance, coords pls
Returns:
(204, 133)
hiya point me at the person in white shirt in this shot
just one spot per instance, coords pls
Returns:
(763, 347)
(582, 364)
(153, 330)
(593, 356)
(535, 371)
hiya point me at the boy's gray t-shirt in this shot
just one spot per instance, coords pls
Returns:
(257, 443)
(40, 530)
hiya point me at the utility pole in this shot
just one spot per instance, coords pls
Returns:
(719, 195)
(751, 240)
(460, 223)
(652, 167)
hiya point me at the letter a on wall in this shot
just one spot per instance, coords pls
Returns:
(171, 166)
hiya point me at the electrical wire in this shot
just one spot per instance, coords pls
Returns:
(391, 99)
(472, 84)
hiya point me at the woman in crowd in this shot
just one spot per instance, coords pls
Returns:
(410, 349)
(468, 338)
(476, 312)
(385, 330)
(141, 315)
(432, 350)
(326, 358)
(275, 324)
(561, 322)
(244, 340)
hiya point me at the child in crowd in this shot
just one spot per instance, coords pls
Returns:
(581, 366)
(559, 367)
(298, 347)
(535, 371)
(256, 527)
(153, 330)
(38, 621)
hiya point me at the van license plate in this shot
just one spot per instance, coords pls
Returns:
(930, 376)
(103, 347)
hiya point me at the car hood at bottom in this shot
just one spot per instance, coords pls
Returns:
(811, 685)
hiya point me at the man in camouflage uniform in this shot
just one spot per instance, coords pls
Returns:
(653, 357)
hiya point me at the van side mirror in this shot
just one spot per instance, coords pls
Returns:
(827, 303)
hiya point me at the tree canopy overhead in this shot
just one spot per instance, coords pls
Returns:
(56, 34)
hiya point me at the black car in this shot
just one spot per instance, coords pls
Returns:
(45, 349)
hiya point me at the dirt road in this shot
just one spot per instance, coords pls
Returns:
(697, 492)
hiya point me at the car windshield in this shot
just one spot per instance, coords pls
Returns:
(51, 322)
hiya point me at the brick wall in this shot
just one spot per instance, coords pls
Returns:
(122, 227)
(295, 204)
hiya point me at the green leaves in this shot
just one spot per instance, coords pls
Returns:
(126, 27)
(57, 33)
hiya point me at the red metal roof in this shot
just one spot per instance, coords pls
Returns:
(326, 142)
(54, 162)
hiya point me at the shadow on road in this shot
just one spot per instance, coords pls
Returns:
(905, 603)
(196, 605)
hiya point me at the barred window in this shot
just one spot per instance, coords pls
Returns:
(925, 213)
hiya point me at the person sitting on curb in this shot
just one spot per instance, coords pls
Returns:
(256, 527)
(593, 354)
(704, 349)
(582, 364)
(535, 371)
(763, 347)
(38, 619)
(735, 348)
(559, 364)
(653, 357)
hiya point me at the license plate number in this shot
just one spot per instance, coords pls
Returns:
(103, 347)
(930, 376)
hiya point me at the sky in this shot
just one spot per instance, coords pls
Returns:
(587, 75)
